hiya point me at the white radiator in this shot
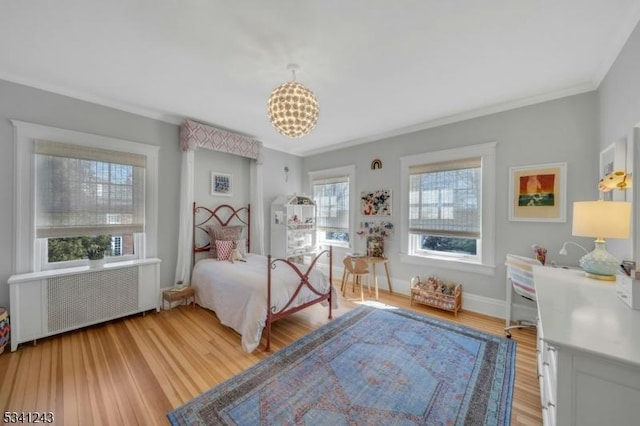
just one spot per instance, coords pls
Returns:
(83, 299)
(46, 303)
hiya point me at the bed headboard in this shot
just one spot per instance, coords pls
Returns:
(222, 215)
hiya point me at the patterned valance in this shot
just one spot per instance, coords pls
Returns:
(196, 135)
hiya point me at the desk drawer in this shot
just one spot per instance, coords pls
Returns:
(628, 290)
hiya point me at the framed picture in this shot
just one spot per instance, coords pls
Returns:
(375, 203)
(538, 193)
(221, 184)
(612, 158)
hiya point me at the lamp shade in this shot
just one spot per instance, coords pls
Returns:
(602, 219)
(293, 109)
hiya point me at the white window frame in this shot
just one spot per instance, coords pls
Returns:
(31, 253)
(334, 172)
(484, 261)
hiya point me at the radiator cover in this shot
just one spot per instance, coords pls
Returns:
(83, 299)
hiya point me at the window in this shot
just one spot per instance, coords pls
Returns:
(83, 192)
(76, 191)
(332, 209)
(331, 191)
(448, 207)
(116, 246)
(444, 207)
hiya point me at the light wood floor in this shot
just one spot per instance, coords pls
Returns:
(136, 370)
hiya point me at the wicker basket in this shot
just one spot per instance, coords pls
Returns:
(438, 294)
(4, 329)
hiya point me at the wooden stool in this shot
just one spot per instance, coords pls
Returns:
(182, 294)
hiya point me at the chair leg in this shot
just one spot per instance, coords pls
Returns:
(375, 286)
(359, 278)
(342, 283)
(345, 284)
(519, 324)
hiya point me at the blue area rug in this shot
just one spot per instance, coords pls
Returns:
(370, 366)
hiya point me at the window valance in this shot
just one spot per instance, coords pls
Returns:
(197, 135)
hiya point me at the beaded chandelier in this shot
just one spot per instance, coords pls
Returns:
(293, 109)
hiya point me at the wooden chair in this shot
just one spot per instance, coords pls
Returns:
(356, 268)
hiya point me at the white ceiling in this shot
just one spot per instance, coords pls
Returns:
(378, 67)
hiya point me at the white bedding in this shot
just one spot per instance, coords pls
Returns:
(237, 292)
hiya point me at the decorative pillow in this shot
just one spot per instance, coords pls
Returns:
(225, 233)
(242, 246)
(224, 249)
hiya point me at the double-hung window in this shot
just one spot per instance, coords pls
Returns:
(331, 191)
(83, 193)
(448, 206)
(444, 207)
(332, 209)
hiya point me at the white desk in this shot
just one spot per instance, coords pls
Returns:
(588, 351)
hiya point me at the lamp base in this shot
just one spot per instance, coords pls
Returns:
(600, 264)
(600, 277)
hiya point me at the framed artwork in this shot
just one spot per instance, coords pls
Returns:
(221, 184)
(538, 193)
(612, 158)
(375, 203)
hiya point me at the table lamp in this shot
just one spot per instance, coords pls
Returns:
(601, 219)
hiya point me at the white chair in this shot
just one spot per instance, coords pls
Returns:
(520, 279)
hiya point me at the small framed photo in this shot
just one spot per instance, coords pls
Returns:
(221, 184)
(538, 193)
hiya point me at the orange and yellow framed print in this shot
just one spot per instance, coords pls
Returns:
(538, 193)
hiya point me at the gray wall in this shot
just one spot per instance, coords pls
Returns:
(619, 94)
(37, 106)
(205, 162)
(571, 130)
(41, 107)
(275, 185)
(276, 182)
(618, 114)
(563, 130)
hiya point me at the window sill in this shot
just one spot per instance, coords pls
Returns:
(449, 263)
(30, 276)
(333, 243)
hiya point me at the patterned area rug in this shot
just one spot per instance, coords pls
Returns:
(370, 366)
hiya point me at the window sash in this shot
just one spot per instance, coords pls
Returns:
(445, 198)
(88, 191)
(331, 196)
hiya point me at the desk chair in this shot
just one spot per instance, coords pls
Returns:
(520, 279)
(357, 269)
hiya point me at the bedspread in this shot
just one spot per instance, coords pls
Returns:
(237, 292)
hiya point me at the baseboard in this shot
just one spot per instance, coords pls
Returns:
(470, 302)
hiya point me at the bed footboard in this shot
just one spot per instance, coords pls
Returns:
(290, 307)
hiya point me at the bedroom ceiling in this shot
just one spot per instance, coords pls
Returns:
(378, 68)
